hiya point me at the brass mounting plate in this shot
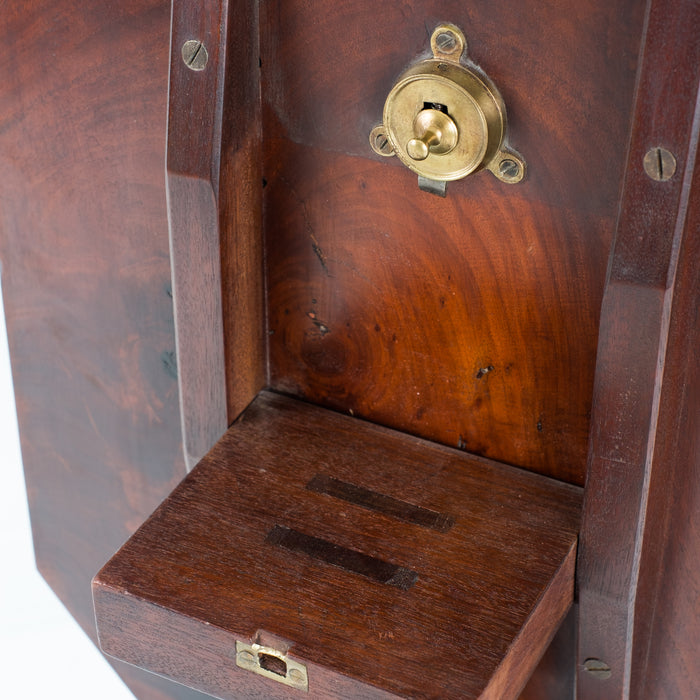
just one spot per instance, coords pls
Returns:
(270, 663)
(454, 89)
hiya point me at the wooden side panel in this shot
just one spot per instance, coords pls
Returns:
(214, 202)
(667, 610)
(240, 212)
(471, 320)
(86, 280)
(644, 436)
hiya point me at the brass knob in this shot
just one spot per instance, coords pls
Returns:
(445, 119)
(435, 132)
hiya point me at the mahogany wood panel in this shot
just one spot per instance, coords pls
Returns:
(667, 608)
(644, 441)
(239, 550)
(470, 320)
(215, 217)
(86, 282)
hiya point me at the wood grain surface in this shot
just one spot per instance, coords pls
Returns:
(216, 563)
(214, 199)
(470, 320)
(638, 528)
(86, 282)
(667, 607)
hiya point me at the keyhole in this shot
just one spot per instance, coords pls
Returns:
(273, 664)
(437, 106)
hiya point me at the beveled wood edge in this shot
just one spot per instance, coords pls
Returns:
(192, 173)
(536, 634)
(182, 646)
(185, 649)
(634, 332)
(201, 224)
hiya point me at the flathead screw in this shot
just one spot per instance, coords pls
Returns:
(246, 657)
(446, 42)
(597, 668)
(379, 140)
(509, 169)
(659, 164)
(296, 675)
(195, 55)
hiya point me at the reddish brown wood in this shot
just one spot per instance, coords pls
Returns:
(86, 282)
(471, 320)
(555, 676)
(667, 607)
(486, 597)
(240, 212)
(84, 247)
(646, 383)
(214, 215)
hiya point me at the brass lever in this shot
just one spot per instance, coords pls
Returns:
(435, 132)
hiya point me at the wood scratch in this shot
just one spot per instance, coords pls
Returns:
(319, 253)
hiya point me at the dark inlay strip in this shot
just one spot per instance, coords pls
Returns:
(380, 503)
(348, 559)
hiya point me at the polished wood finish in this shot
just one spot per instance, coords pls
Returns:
(214, 215)
(84, 248)
(644, 432)
(486, 555)
(86, 283)
(471, 320)
(667, 607)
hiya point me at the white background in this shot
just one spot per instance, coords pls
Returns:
(43, 651)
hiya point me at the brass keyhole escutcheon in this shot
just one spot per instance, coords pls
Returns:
(445, 119)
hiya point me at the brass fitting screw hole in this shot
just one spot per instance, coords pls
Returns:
(509, 169)
(379, 141)
(446, 42)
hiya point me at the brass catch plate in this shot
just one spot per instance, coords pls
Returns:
(270, 663)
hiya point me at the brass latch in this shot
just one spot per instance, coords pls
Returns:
(445, 119)
(273, 664)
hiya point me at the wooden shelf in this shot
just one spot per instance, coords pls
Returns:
(386, 565)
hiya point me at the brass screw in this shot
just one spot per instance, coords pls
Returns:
(296, 675)
(597, 668)
(659, 164)
(509, 169)
(195, 55)
(246, 657)
(379, 140)
(446, 42)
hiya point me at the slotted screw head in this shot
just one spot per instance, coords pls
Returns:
(597, 668)
(195, 55)
(446, 42)
(659, 164)
(508, 168)
(379, 141)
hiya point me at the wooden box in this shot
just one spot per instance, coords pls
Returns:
(364, 562)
